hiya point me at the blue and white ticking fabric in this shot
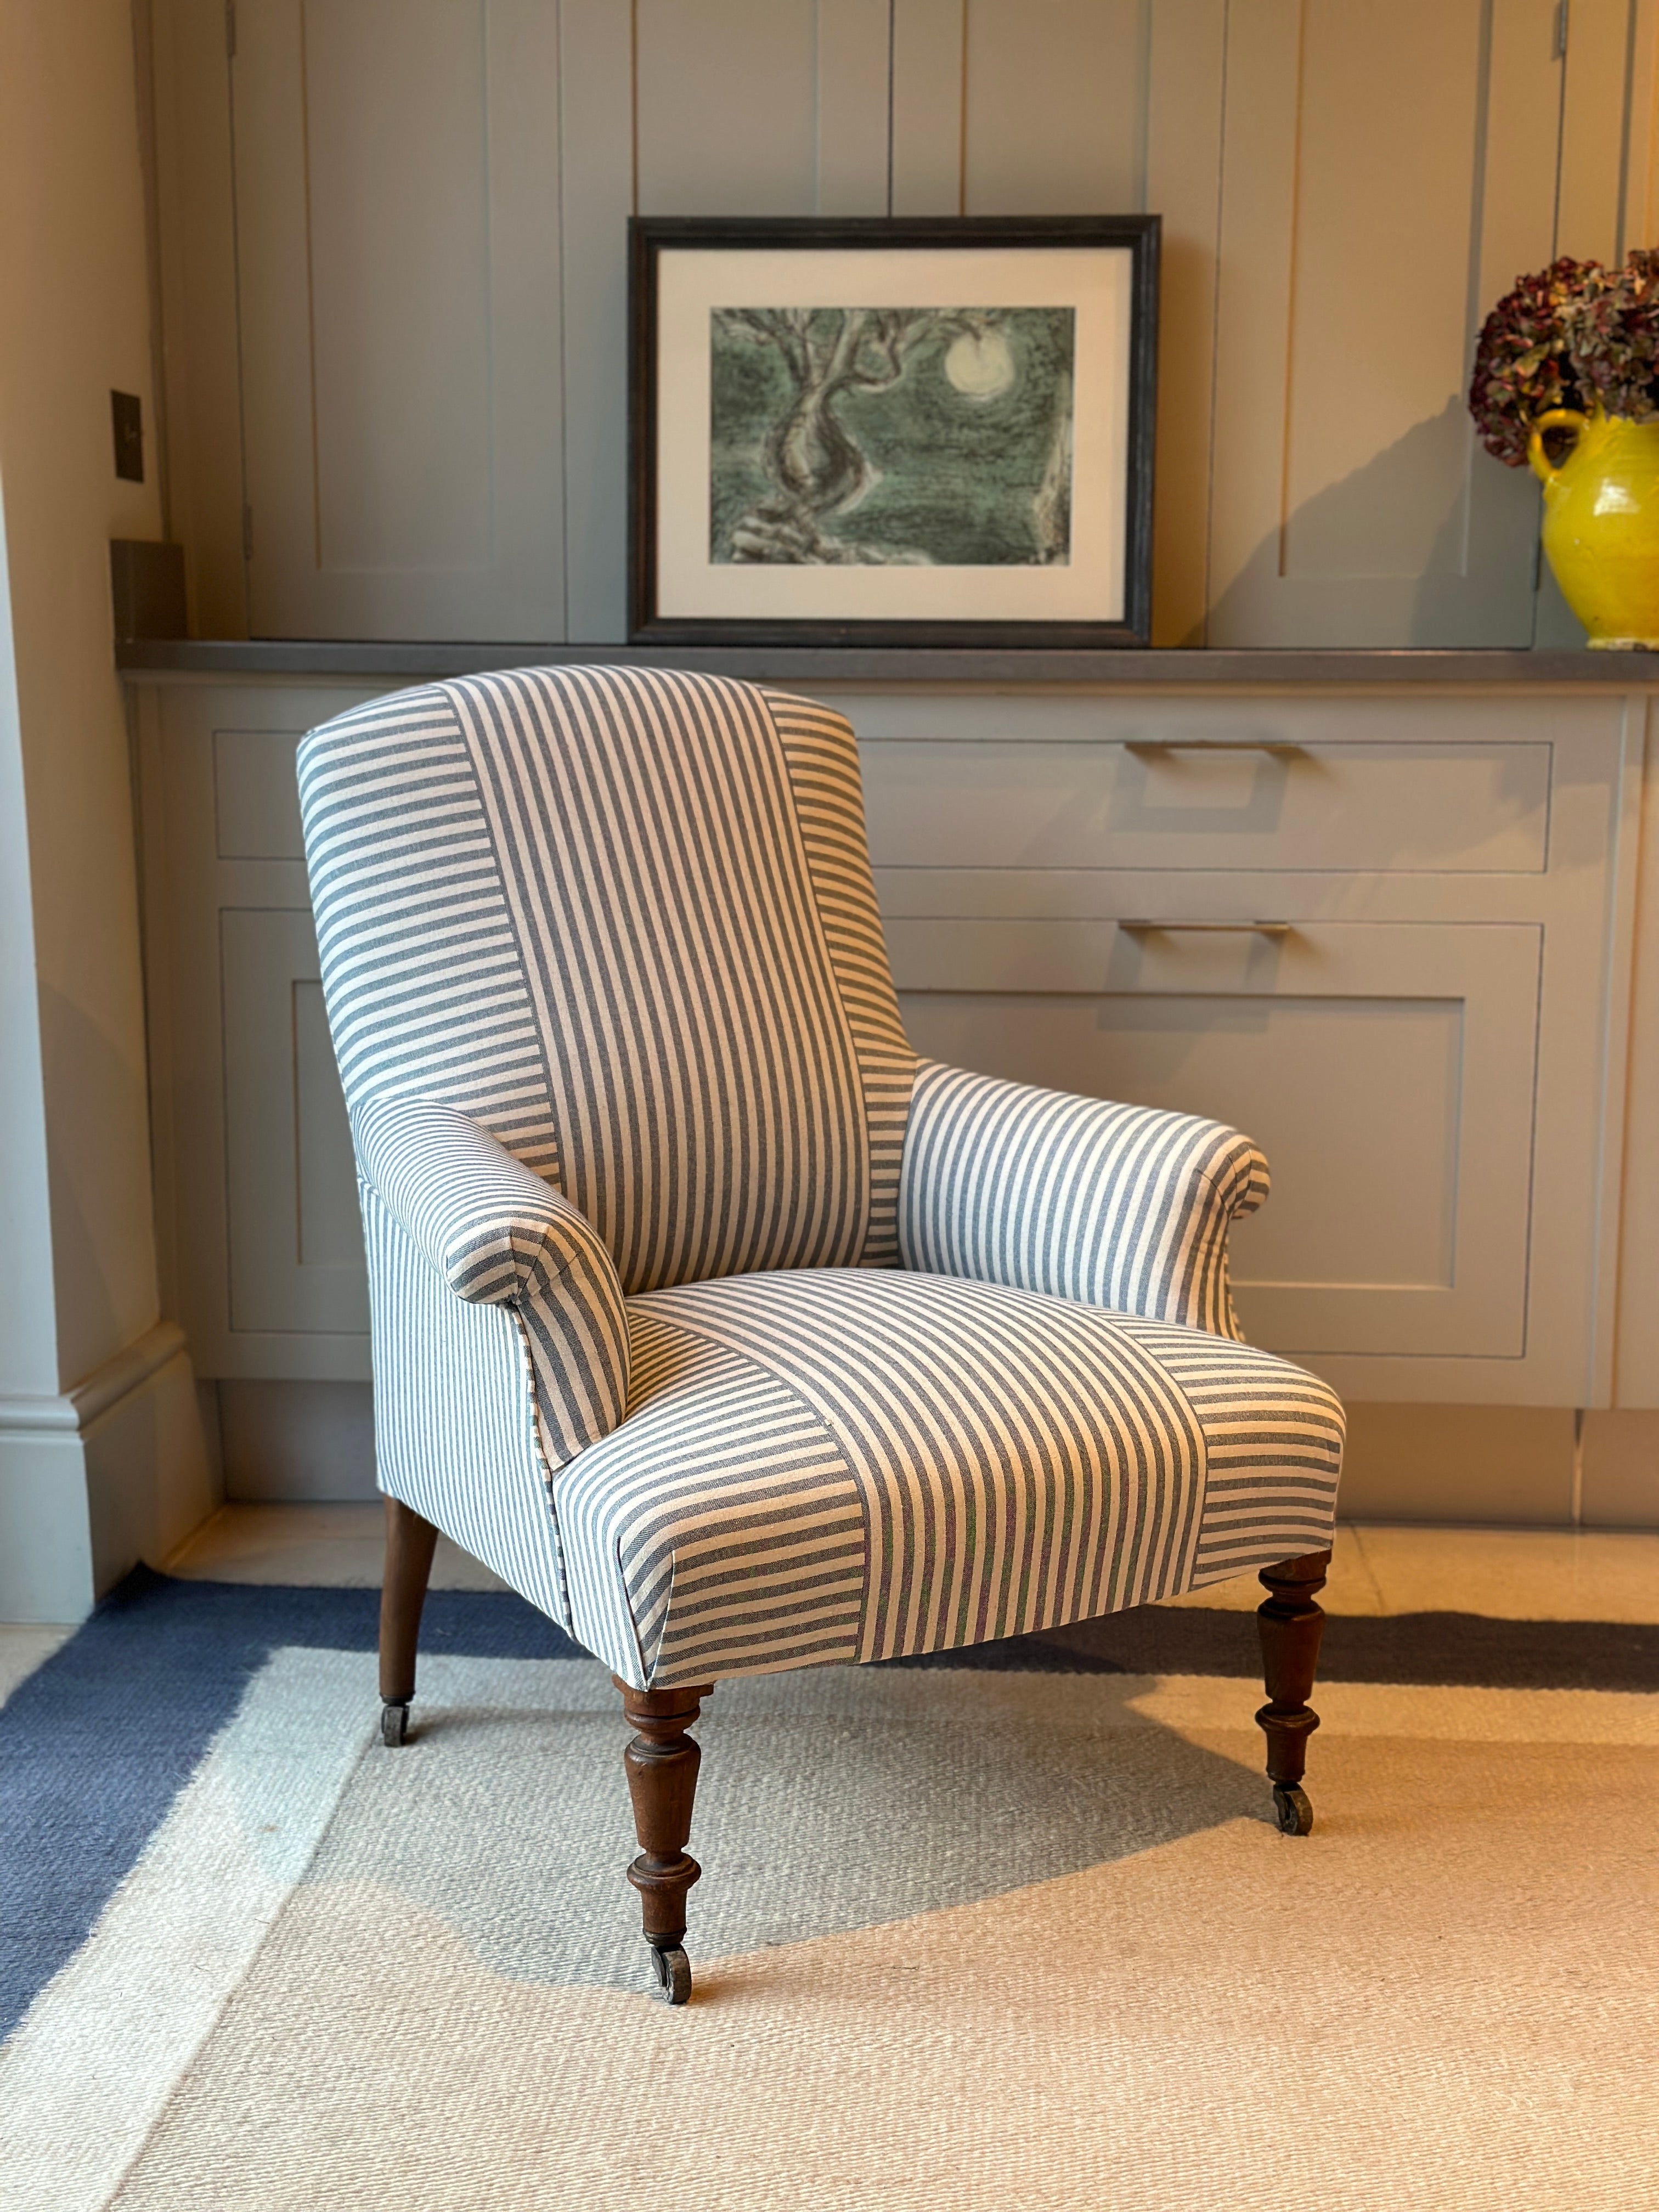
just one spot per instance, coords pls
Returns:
(1116, 1206)
(498, 1234)
(733, 1334)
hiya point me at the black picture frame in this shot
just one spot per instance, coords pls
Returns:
(652, 237)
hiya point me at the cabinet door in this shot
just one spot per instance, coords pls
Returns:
(261, 1241)
(296, 1242)
(396, 228)
(1385, 173)
(1386, 1069)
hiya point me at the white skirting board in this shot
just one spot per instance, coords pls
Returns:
(118, 1469)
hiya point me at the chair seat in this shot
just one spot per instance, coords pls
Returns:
(849, 1464)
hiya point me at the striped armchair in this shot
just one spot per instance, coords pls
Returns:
(727, 1330)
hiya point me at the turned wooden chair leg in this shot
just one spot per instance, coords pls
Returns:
(409, 1544)
(662, 1763)
(1291, 1625)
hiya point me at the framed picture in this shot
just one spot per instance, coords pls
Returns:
(876, 431)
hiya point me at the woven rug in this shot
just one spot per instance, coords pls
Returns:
(1013, 1934)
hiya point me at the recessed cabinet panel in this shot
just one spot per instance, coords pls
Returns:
(296, 1255)
(1208, 802)
(256, 795)
(330, 1224)
(1350, 503)
(396, 229)
(1386, 1070)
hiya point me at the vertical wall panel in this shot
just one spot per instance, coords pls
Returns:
(1056, 106)
(1597, 103)
(1359, 382)
(397, 172)
(196, 307)
(1640, 213)
(1594, 128)
(400, 282)
(853, 61)
(1184, 84)
(1351, 505)
(928, 53)
(726, 121)
(596, 198)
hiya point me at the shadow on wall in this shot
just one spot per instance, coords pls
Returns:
(98, 1160)
(1429, 543)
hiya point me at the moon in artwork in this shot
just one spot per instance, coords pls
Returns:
(980, 364)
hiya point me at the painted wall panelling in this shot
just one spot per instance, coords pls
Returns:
(1424, 1056)
(194, 288)
(1324, 272)
(1350, 502)
(396, 213)
(1601, 207)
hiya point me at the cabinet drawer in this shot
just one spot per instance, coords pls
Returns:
(1237, 802)
(1165, 799)
(1386, 1069)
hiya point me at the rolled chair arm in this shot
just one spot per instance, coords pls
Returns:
(498, 1234)
(1121, 1206)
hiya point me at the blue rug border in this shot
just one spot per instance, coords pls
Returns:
(96, 1743)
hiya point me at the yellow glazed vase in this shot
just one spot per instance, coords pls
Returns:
(1601, 524)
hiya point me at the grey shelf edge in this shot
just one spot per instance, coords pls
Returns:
(1274, 667)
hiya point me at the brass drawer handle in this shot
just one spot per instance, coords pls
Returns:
(1143, 928)
(1279, 751)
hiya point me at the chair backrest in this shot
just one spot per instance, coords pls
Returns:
(624, 918)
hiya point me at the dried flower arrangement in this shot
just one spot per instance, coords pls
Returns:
(1574, 335)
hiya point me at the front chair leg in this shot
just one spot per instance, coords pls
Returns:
(662, 1762)
(1291, 1625)
(409, 1544)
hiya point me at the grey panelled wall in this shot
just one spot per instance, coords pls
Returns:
(431, 198)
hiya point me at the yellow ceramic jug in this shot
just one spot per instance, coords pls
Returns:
(1601, 523)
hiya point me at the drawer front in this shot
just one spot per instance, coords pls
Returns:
(1233, 804)
(1178, 797)
(1386, 1069)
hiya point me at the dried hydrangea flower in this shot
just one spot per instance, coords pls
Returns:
(1521, 364)
(1574, 335)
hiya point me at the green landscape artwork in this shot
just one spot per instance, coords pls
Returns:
(876, 436)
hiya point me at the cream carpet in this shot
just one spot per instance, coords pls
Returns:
(964, 1941)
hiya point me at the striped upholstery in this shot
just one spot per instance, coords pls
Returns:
(499, 1235)
(1117, 1206)
(455, 1425)
(848, 1464)
(729, 1333)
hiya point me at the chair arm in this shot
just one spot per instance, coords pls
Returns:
(498, 1234)
(1122, 1207)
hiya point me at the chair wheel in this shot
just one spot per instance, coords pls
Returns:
(394, 1724)
(1291, 1810)
(673, 1972)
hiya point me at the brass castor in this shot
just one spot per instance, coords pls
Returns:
(673, 1972)
(1291, 1810)
(394, 1722)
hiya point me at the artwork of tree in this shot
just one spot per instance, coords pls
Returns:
(883, 436)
